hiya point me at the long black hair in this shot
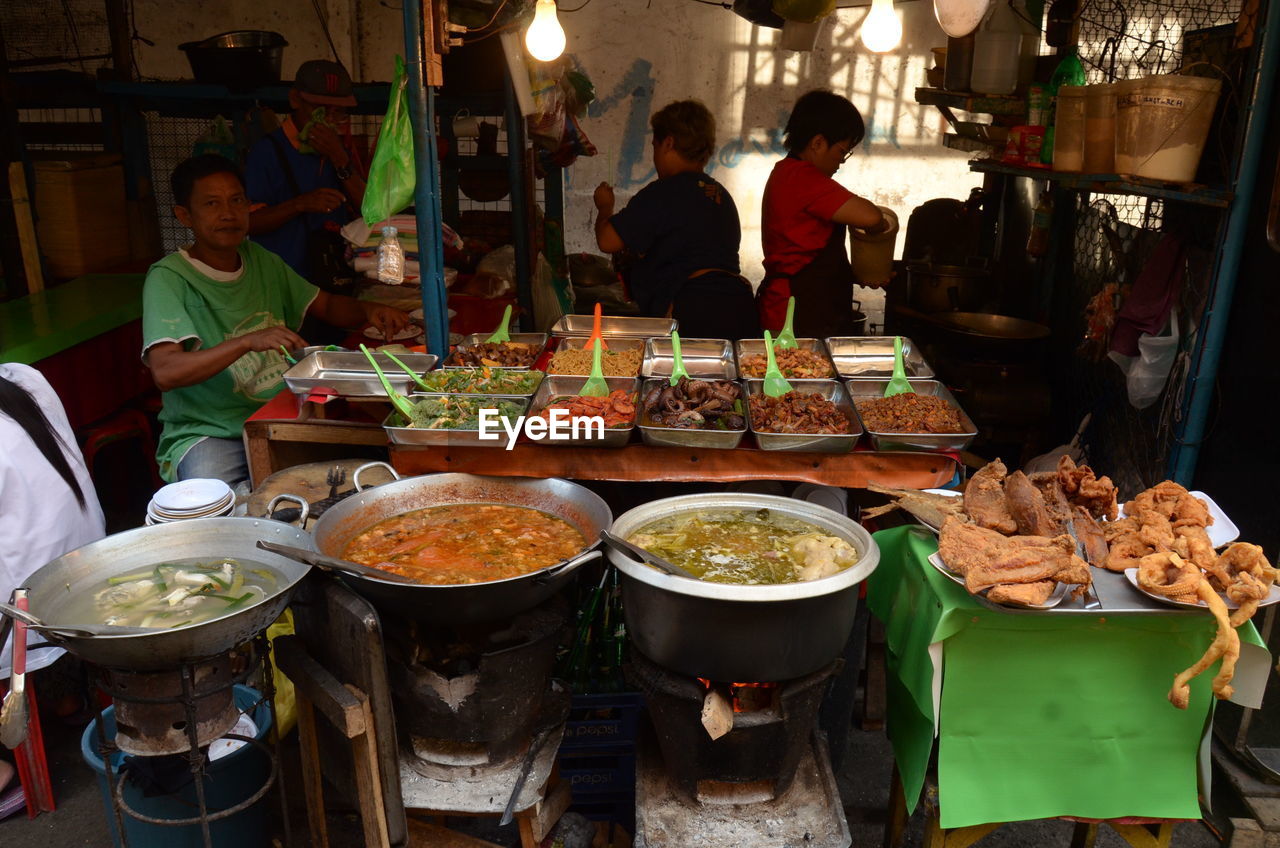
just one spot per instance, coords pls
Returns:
(22, 408)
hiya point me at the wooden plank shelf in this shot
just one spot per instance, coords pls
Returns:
(1114, 184)
(988, 104)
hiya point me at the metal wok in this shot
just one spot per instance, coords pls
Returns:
(726, 632)
(471, 602)
(55, 588)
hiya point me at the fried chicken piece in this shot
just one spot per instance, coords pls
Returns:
(1091, 537)
(1250, 578)
(1027, 506)
(987, 558)
(1022, 565)
(1226, 644)
(1114, 530)
(1060, 509)
(1189, 510)
(1083, 488)
(1125, 552)
(1170, 576)
(1190, 541)
(1023, 594)
(1154, 529)
(961, 544)
(984, 500)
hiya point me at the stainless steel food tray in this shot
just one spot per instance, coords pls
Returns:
(450, 438)
(351, 375)
(614, 437)
(614, 325)
(755, 347)
(869, 388)
(709, 359)
(539, 376)
(677, 437)
(538, 340)
(871, 357)
(615, 343)
(833, 391)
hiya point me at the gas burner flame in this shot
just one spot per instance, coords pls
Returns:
(745, 697)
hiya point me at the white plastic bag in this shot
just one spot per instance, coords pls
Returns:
(1146, 373)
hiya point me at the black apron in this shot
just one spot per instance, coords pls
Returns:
(823, 290)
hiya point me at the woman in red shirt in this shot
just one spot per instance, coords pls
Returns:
(804, 220)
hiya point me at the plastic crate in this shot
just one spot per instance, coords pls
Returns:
(606, 721)
(620, 809)
(598, 773)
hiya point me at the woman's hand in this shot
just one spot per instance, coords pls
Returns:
(604, 200)
(387, 319)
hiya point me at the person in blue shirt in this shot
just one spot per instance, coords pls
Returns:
(684, 231)
(302, 181)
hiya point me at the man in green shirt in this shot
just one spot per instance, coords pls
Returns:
(214, 318)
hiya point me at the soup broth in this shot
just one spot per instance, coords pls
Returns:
(466, 543)
(746, 546)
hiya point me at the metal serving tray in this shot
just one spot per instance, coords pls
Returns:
(616, 343)
(707, 359)
(614, 325)
(553, 387)
(871, 357)
(755, 347)
(833, 391)
(351, 375)
(869, 388)
(450, 438)
(677, 437)
(539, 376)
(538, 340)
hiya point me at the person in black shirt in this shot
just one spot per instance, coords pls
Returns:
(684, 231)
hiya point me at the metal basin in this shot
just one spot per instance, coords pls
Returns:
(472, 602)
(741, 633)
(54, 586)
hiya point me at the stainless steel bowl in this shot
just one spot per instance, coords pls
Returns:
(754, 633)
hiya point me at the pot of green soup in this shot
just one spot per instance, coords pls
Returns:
(776, 592)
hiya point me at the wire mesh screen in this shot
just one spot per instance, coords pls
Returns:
(1123, 39)
(48, 34)
(169, 141)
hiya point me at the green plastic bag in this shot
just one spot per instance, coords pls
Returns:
(391, 175)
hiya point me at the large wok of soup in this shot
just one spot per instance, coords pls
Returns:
(778, 592)
(202, 585)
(483, 548)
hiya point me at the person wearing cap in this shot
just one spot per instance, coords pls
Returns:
(302, 180)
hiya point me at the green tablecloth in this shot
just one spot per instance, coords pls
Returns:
(39, 325)
(1040, 715)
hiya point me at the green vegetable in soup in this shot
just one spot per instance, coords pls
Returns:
(746, 547)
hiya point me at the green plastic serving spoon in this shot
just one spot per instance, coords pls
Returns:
(399, 401)
(288, 355)
(406, 369)
(775, 385)
(501, 335)
(787, 338)
(595, 385)
(677, 363)
(898, 382)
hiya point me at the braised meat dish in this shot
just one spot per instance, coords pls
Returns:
(910, 413)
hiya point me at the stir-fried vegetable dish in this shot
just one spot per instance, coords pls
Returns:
(454, 412)
(466, 543)
(483, 381)
(177, 594)
(755, 547)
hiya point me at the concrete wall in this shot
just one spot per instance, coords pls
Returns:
(642, 54)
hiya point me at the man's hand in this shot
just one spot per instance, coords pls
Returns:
(328, 144)
(604, 200)
(272, 338)
(388, 320)
(322, 200)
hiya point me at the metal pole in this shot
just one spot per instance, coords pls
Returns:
(1182, 461)
(517, 168)
(426, 195)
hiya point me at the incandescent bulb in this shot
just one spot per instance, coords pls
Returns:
(881, 31)
(544, 38)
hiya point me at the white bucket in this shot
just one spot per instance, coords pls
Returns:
(800, 35)
(1161, 125)
(872, 255)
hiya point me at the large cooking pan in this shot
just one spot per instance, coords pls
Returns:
(54, 586)
(741, 633)
(455, 604)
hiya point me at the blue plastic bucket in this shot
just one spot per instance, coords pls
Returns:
(228, 781)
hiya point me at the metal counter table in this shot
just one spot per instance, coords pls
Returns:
(1039, 715)
(278, 435)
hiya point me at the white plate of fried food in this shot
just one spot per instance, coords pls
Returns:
(930, 507)
(1004, 595)
(1222, 531)
(1241, 576)
(1131, 574)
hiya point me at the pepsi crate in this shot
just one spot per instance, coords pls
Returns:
(598, 774)
(606, 721)
(619, 809)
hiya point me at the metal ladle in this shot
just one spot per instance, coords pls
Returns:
(79, 630)
(622, 546)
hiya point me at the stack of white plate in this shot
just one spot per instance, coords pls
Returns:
(195, 498)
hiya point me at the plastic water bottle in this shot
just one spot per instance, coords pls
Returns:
(390, 258)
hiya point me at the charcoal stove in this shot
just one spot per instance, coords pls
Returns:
(735, 763)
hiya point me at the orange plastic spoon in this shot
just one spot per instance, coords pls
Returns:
(595, 332)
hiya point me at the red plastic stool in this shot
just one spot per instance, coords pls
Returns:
(123, 424)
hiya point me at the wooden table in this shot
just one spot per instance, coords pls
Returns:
(285, 432)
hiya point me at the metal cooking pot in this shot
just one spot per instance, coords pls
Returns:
(741, 633)
(471, 602)
(859, 319)
(54, 586)
(241, 60)
(937, 288)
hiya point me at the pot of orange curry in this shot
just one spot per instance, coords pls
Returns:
(480, 548)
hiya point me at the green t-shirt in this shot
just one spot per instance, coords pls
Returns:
(183, 305)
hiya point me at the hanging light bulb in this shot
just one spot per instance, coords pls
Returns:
(881, 31)
(544, 38)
